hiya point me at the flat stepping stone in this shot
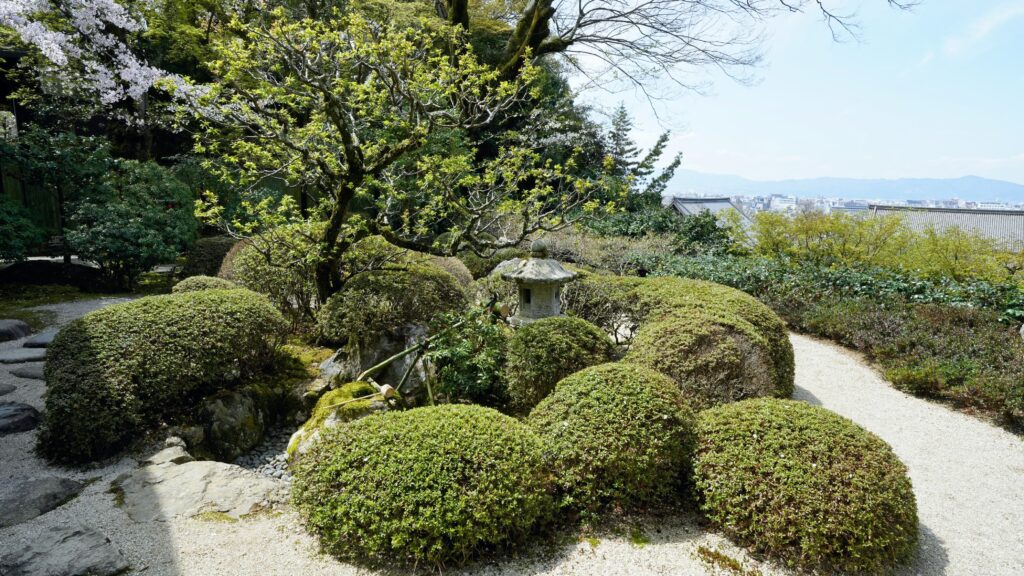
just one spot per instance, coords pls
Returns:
(41, 340)
(6, 388)
(31, 497)
(17, 417)
(13, 329)
(61, 551)
(30, 370)
(20, 355)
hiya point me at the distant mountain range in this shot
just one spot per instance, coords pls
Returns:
(970, 188)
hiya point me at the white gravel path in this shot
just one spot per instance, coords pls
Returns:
(968, 475)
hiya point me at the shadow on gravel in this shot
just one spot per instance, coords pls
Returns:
(931, 555)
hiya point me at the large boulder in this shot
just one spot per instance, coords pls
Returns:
(163, 491)
(13, 330)
(25, 499)
(234, 424)
(355, 357)
(344, 404)
(17, 417)
(62, 551)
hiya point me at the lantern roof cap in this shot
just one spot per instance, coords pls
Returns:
(537, 269)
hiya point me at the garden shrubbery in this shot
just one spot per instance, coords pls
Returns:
(543, 352)
(805, 486)
(936, 338)
(468, 352)
(206, 256)
(618, 435)
(195, 283)
(432, 485)
(121, 370)
(713, 362)
(379, 301)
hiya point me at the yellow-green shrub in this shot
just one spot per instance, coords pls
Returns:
(432, 485)
(195, 283)
(805, 486)
(380, 301)
(119, 371)
(543, 352)
(618, 436)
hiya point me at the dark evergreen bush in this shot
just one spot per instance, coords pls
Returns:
(543, 352)
(432, 485)
(618, 435)
(805, 486)
(206, 255)
(119, 371)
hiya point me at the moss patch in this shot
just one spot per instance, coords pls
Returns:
(213, 516)
(344, 403)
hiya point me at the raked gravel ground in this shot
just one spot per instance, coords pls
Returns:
(967, 474)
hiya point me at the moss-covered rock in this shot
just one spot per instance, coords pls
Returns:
(344, 404)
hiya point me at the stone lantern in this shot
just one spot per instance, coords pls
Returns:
(540, 281)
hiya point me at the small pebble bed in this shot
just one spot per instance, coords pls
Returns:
(269, 457)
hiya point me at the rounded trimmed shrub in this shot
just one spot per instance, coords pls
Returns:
(381, 301)
(712, 361)
(667, 296)
(618, 435)
(196, 283)
(455, 267)
(434, 484)
(543, 352)
(206, 256)
(804, 485)
(119, 371)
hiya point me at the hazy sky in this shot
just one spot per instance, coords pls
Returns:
(937, 92)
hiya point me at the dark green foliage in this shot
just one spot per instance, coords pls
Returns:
(117, 372)
(380, 301)
(805, 486)
(712, 361)
(480, 266)
(206, 255)
(17, 232)
(194, 283)
(936, 338)
(468, 353)
(619, 436)
(143, 217)
(542, 353)
(606, 300)
(432, 485)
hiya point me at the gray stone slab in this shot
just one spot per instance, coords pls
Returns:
(13, 329)
(25, 499)
(62, 551)
(17, 417)
(6, 388)
(19, 355)
(41, 340)
(30, 370)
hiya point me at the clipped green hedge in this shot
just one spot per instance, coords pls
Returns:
(380, 301)
(206, 256)
(543, 352)
(433, 485)
(196, 283)
(805, 486)
(669, 296)
(712, 361)
(119, 371)
(618, 435)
